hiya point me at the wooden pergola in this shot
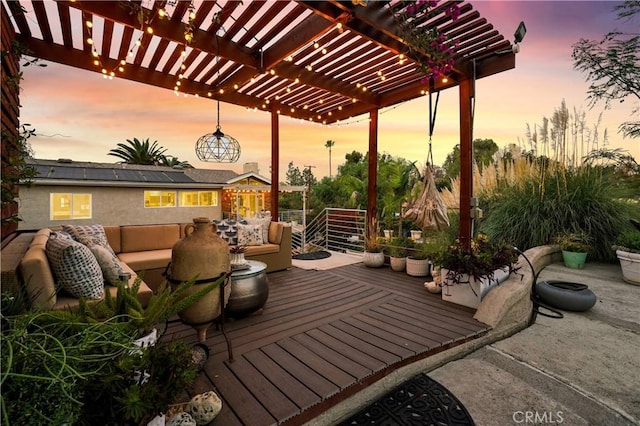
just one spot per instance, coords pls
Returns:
(322, 61)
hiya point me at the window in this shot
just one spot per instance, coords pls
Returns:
(198, 198)
(159, 198)
(70, 206)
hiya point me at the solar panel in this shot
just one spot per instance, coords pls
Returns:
(178, 177)
(76, 173)
(154, 176)
(129, 175)
(42, 170)
(101, 174)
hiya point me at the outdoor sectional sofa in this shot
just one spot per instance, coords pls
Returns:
(143, 250)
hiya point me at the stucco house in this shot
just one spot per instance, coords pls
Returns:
(66, 191)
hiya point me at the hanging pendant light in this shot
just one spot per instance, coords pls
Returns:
(217, 146)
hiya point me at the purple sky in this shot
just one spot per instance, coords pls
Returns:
(83, 116)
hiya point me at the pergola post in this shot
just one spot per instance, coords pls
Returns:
(372, 172)
(467, 93)
(275, 163)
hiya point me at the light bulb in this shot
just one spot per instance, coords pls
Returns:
(89, 40)
(89, 24)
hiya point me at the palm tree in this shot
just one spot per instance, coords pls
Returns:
(329, 144)
(171, 161)
(139, 152)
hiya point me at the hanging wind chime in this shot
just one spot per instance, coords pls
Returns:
(217, 146)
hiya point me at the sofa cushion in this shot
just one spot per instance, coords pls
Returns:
(136, 238)
(37, 277)
(113, 237)
(144, 260)
(275, 232)
(74, 267)
(109, 264)
(88, 234)
(249, 235)
(263, 249)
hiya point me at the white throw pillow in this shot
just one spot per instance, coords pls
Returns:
(264, 223)
(74, 267)
(249, 235)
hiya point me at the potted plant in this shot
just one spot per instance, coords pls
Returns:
(627, 249)
(419, 259)
(144, 382)
(373, 255)
(397, 249)
(142, 321)
(467, 272)
(575, 248)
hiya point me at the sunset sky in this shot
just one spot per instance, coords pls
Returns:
(80, 115)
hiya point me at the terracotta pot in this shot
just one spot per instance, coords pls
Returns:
(202, 255)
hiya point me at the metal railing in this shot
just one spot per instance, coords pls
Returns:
(340, 230)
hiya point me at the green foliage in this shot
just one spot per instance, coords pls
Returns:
(125, 396)
(398, 246)
(628, 241)
(483, 150)
(480, 259)
(573, 242)
(557, 201)
(125, 307)
(611, 66)
(47, 358)
(139, 152)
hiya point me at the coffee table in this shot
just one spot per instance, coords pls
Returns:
(249, 289)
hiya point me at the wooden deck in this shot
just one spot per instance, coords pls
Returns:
(323, 336)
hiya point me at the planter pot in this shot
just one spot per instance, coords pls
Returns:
(574, 260)
(469, 291)
(418, 267)
(630, 264)
(373, 260)
(416, 235)
(388, 233)
(398, 264)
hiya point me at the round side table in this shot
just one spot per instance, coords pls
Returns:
(249, 289)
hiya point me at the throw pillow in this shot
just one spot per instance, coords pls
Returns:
(109, 264)
(264, 223)
(249, 235)
(88, 235)
(74, 267)
(227, 229)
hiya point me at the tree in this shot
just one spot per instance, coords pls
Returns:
(171, 161)
(329, 144)
(139, 152)
(612, 66)
(483, 150)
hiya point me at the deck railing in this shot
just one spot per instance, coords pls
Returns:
(333, 229)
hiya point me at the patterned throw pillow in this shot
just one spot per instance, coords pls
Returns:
(109, 264)
(227, 229)
(249, 235)
(264, 223)
(74, 267)
(88, 235)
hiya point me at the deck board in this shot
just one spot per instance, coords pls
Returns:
(320, 337)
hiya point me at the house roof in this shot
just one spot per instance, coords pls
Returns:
(250, 175)
(67, 171)
(323, 61)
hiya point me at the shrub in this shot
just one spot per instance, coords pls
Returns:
(532, 210)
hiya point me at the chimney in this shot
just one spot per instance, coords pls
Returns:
(251, 167)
